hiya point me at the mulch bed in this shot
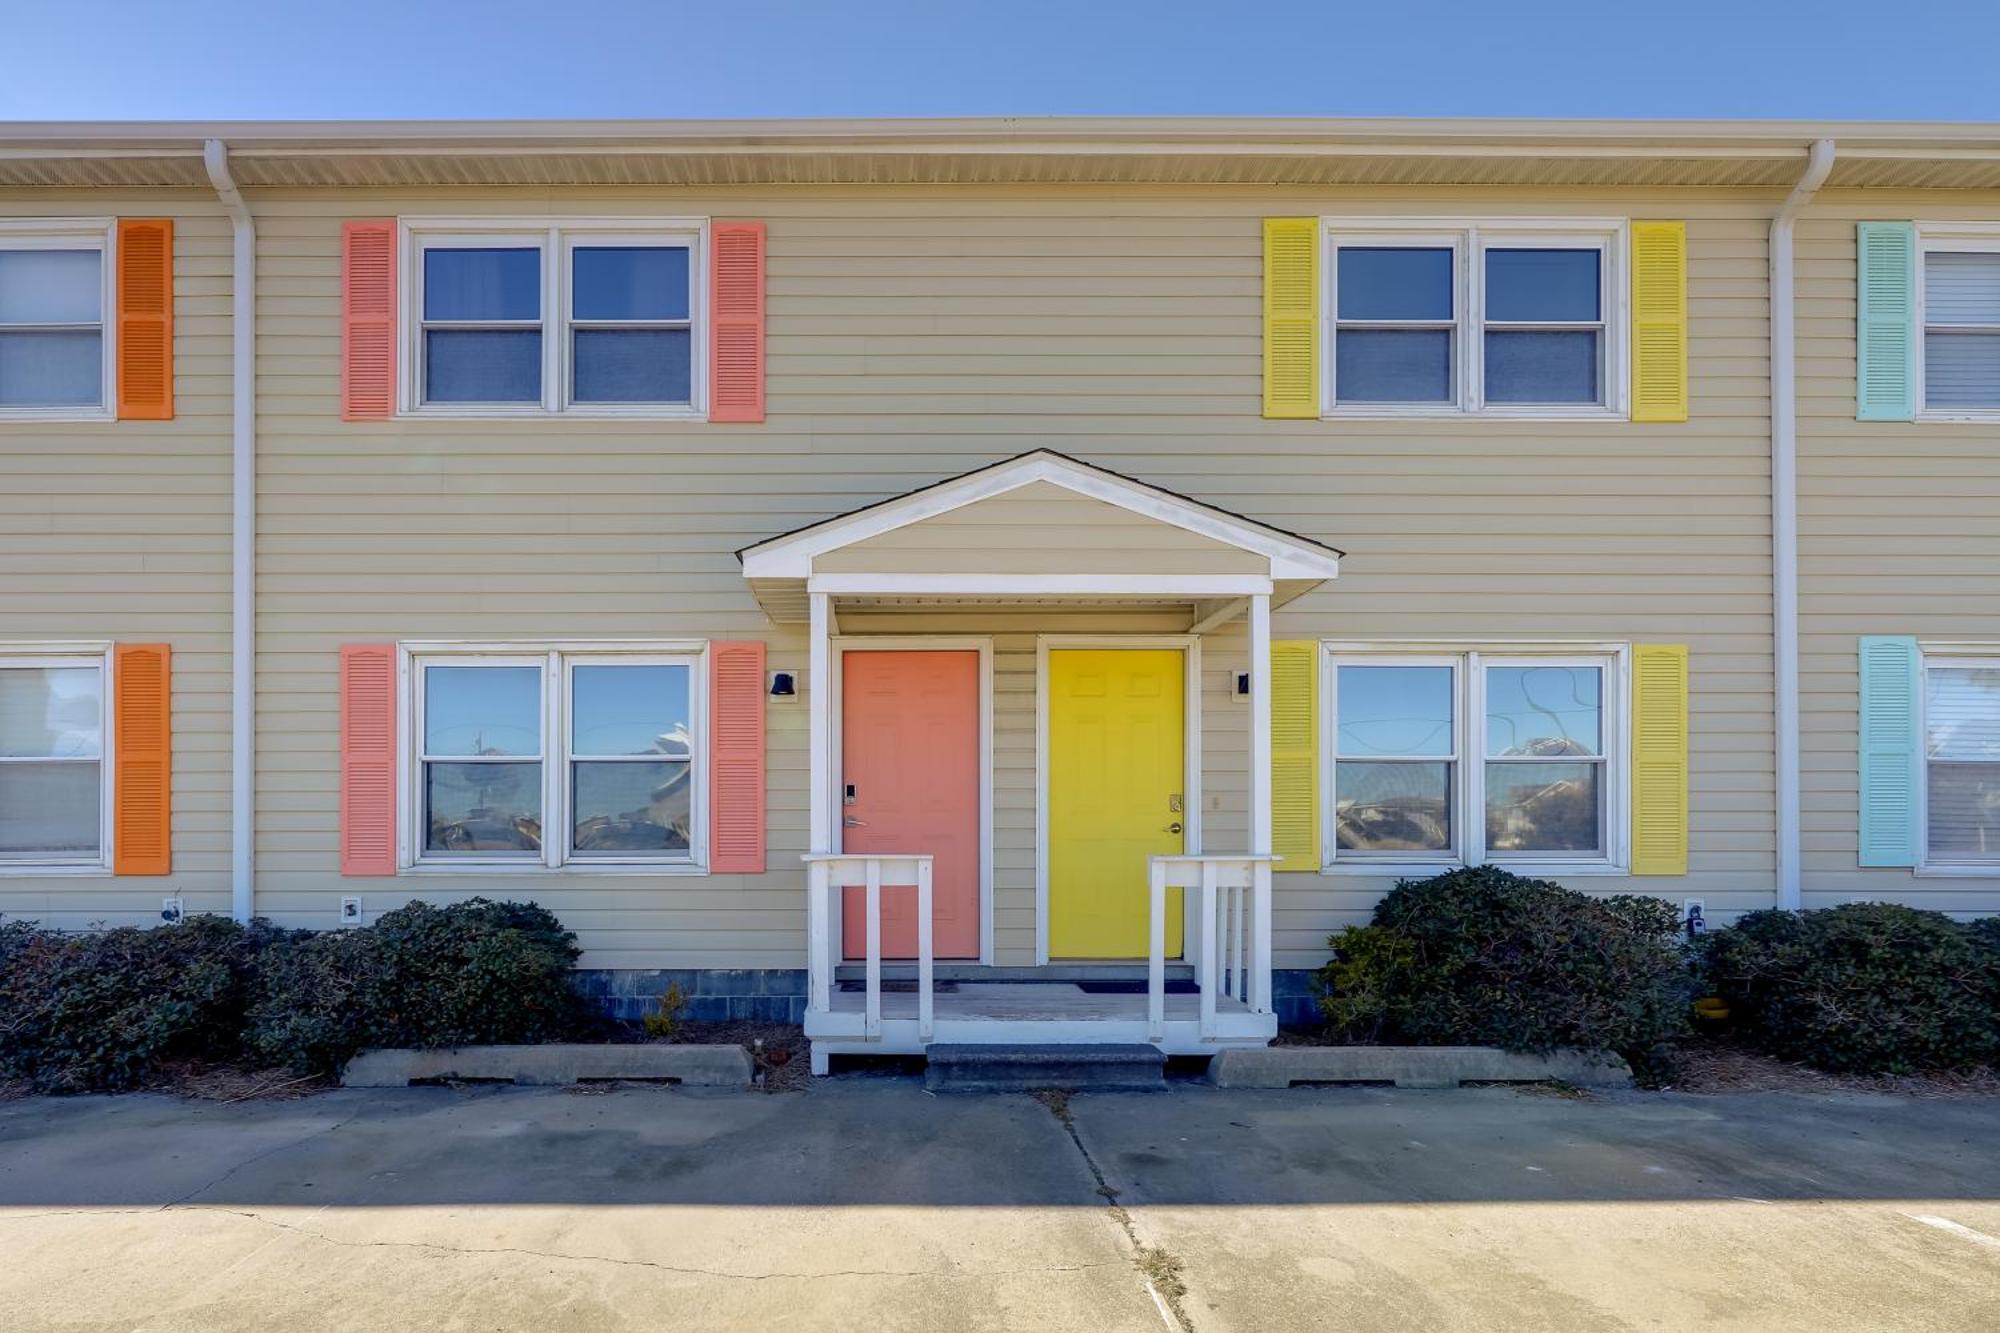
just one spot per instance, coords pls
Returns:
(1711, 1065)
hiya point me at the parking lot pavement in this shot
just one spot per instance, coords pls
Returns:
(866, 1203)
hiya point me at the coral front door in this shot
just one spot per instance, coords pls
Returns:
(1116, 768)
(910, 785)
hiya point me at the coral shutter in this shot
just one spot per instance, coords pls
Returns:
(1659, 321)
(1659, 759)
(1885, 371)
(736, 758)
(1891, 761)
(1295, 753)
(368, 759)
(142, 764)
(145, 319)
(1291, 317)
(736, 322)
(367, 320)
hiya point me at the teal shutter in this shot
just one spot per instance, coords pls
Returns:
(1891, 763)
(1886, 335)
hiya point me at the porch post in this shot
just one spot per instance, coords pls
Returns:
(1260, 799)
(819, 711)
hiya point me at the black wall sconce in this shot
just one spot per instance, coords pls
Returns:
(783, 685)
(1243, 685)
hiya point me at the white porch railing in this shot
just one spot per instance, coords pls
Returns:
(1232, 947)
(826, 876)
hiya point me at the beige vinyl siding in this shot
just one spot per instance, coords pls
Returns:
(1899, 533)
(915, 334)
(1040, 528)
(119, 530)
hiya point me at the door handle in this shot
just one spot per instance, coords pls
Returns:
(1174, 827)
(849, 821)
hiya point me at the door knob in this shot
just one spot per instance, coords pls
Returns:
(1174, 827)
(850, 821)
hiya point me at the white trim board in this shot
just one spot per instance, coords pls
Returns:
(841, 645)
(1191, 743)
(1291, 557)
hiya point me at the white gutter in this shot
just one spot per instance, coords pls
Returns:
(243, 533)
(1785, 517)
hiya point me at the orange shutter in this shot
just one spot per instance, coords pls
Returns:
(736, 758)
(736, 322)
(367, 320)
(368, 759)
(142, 759)
(145, 319)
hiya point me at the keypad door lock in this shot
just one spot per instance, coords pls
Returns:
(848, 794)
(1175, 804)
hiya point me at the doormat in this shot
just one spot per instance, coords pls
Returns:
(1176, 987)
(899, 988)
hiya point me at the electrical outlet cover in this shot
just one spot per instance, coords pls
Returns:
(173, 910)
(350, 911)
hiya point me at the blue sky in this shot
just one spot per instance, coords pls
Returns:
(200, 59)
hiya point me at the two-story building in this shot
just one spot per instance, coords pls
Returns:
(1070, 566)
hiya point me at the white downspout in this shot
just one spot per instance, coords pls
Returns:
(1785, 517)
(243, 533)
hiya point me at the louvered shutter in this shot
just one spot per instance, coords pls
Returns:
(1891, 761)
(1886, 336)
(367, 320)
(368, 759)
(1659, 759)
(145, 319)
(1659, 321)
(736, 322)
(1295, 819)
(736, 758)
(143, 762)
(1291, 317)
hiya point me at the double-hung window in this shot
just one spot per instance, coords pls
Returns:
(1961, 323)
(53, 800)
(556, 758)
(1961, 711)
(585, 318)
(1469, 757)
(1501, 318)
(55, 341)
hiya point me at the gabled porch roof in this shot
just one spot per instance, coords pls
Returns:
(1041, 527)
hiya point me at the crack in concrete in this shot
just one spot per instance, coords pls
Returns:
(1160, 1267)
(525, 1252)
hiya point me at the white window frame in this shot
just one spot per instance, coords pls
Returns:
(101, 235)
(556, 239)
(557, 662)
(1469, 240)
(37, 655)
(1945, 238)
(1984, 657)
(1468, 791)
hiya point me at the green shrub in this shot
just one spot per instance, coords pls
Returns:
(1864, 988)
(100, 1011)
(473, 973)
(1484, 957)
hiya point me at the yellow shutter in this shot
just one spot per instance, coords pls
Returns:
(1659, 321)
(1295, 753)
(1291, 317)
(1659, 759)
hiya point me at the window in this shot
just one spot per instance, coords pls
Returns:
(1961, 760)
(1961, 342)
(55, 349)
(1497, 318)
(1467, 757)
(53, 803)
(556, 758)
(528, 318)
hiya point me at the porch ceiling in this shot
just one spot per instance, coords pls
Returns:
(1038, 530)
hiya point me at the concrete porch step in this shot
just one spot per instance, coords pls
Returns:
(1111, 1067)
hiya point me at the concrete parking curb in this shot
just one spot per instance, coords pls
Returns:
(1411, 1067)
(693, 1066)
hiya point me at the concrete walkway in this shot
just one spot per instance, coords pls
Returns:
(867, 1204)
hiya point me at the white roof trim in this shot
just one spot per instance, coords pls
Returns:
(792, 556)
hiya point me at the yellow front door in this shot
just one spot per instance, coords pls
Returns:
(1116, 771)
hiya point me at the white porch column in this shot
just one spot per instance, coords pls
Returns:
(819, 714)
(1260, 798)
